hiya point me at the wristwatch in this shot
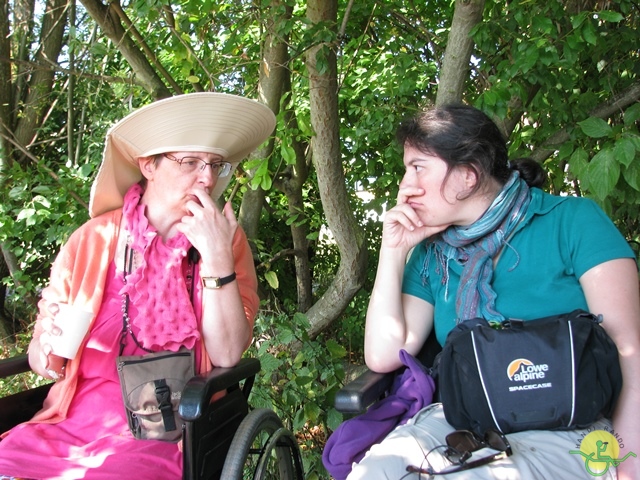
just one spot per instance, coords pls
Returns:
(217, 282)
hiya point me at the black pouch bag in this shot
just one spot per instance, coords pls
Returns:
(557, 372)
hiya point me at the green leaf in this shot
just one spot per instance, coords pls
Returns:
(589, 33)
(288, 153)
(595, 127)
(625, 151)
(15, 192)
(311, 411)
(565, 150)
(579, 162)
(42, 200)
(85, 170)
(334, 419)
(26, 214)
(285, 336)
(268, 364)
(609, 16)
(632, 114)
(301, 320)
(265, 182)
(604, 172)
(292, 218)
(632, 175)
(335, 349)
(303, 381)
(272, 279)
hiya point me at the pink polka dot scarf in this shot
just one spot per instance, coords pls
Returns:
(157, 287)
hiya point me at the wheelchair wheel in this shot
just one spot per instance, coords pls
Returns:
(262, 449)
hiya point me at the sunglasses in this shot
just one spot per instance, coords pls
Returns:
(459, 449)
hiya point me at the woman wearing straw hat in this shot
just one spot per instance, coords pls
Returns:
(158, 248)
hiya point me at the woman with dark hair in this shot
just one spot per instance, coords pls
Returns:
(473, 235)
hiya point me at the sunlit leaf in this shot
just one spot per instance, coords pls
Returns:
(595, 127)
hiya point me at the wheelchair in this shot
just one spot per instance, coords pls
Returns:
(221, 440)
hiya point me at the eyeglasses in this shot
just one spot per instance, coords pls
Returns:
(459, 448)
(195, 164)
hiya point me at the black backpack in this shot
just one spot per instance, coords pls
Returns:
(558, 372)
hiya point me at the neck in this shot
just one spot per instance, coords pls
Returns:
(159, 219)
(479, 203)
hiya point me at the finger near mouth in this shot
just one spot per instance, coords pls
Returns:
(195, 199)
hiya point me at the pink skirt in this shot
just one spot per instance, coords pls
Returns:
(94, 441)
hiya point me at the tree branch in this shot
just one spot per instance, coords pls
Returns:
(106, 17)
(145, 48)
(457, 56)
(615, 105)
(51, 173)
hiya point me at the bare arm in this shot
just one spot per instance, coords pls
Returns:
(395, 320)
(612, 290)
(226, 325)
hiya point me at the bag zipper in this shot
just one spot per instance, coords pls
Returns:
(122, 363)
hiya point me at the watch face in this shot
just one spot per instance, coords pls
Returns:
(211, 282)
(217, 282)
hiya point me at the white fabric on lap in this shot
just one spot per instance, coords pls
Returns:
(537, 454)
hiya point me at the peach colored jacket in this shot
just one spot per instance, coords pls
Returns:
(78, 275)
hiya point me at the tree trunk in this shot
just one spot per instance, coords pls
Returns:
(41, 79)
(5, 89)
(327, 160)
(107, 18)
(455, 68)
(291, 185)
(270, 87)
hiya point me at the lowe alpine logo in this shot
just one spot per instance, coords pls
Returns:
(523, 371)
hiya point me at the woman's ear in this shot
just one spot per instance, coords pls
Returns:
(147, 166)
(470, 177)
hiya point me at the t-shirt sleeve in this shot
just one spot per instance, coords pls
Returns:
(415, 280)
(592, 236)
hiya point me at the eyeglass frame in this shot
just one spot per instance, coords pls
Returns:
(223, 172)
(462, 464)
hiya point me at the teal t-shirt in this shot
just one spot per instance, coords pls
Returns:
(537, 274)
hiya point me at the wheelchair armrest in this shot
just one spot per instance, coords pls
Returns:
(358, 395)
(198, 391)
(14, 365)
(19, 407)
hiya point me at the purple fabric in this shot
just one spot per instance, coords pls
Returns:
(410, 392)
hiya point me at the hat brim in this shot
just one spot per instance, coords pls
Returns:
(227, 125)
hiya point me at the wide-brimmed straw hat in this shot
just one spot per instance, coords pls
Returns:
(219, 123)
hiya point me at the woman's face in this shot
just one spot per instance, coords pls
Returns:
(170, 186)
(439, 204)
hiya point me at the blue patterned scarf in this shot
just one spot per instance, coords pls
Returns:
(476, 245)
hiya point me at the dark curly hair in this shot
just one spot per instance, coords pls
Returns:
(462, 135)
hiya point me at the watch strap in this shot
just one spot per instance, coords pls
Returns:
(217, 282)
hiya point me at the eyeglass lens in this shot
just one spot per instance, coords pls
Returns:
(193, 164)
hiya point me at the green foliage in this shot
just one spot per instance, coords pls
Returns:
(550, 68)
(557, 67)
(299, 387)
(37, 214)
(25, 381)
